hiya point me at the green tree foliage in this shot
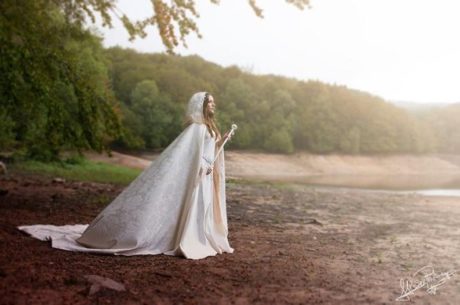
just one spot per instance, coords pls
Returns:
(54, 87)
(273, 113)
(279, 141)
(444, 123)
(131, 133)
(160, 118)
(6, 129)
(175, 20)
(64, 91)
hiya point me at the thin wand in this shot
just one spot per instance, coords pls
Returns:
(232, 131)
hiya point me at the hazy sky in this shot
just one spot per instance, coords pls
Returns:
(402, 50)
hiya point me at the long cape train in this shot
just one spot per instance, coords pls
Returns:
(143, 218)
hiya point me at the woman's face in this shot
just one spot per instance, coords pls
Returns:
(211, 107)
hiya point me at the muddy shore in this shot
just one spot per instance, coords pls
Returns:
(253, 164)
(293, 245)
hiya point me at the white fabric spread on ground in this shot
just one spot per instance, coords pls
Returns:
(169, 208)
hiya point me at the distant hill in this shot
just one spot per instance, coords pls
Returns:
(419, 107)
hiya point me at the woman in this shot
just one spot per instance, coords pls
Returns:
(177, 206)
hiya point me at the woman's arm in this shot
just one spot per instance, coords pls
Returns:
(221, 141)
(205, 167)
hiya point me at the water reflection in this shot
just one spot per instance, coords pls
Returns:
(430, 185)
(439, 192)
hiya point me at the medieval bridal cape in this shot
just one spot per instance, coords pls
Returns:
(171, 208)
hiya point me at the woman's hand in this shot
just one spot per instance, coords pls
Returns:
(208, 171)
(226, 135)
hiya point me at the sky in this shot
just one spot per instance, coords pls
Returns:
(400, 50)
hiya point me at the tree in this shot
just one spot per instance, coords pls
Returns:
(6, 129)
(279, 141)
(175, 20)
(54, 89)
(157, 114)
(444, 123)
(276, 113)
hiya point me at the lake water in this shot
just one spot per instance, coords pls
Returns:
(428, 185)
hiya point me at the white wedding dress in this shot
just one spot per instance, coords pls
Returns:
(171, 208)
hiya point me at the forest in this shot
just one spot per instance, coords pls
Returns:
(65, 91)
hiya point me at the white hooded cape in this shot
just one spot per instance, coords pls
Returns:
(169, 208)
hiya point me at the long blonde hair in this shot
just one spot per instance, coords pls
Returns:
(208, 118)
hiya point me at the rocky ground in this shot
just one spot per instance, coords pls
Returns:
(293, 245)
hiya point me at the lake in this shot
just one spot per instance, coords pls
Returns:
(429, 185)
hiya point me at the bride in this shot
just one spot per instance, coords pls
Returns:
(176, 206)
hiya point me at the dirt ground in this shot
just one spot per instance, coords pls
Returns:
(293, 245)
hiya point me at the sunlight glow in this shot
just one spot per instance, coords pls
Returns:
(400, 50)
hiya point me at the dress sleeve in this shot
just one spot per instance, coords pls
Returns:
(205, 163)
